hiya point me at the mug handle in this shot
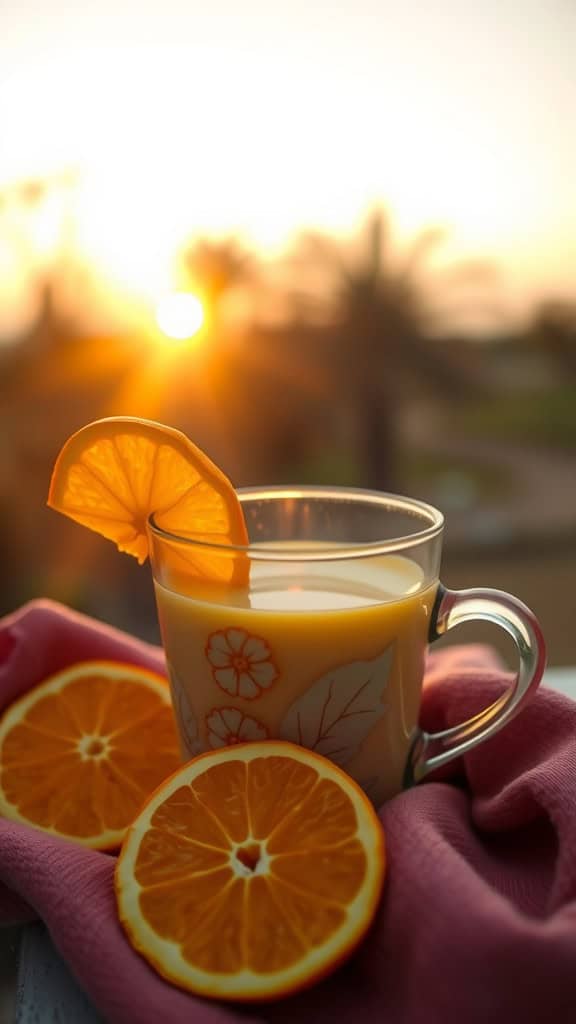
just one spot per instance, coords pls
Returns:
(452, 607)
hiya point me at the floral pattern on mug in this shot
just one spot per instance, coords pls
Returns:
(227, 726)
(242, 664)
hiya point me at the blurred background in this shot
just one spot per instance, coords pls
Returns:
(332, 242)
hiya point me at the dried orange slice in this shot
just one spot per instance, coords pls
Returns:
(80, 753)
(252, 872)
(114, 473)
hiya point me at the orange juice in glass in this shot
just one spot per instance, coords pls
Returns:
(323, 637)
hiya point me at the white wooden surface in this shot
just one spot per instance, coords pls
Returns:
(9, 949)
(42, 990)
(47, 993)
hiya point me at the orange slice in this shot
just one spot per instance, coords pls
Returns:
(80, 752)
(252, 872)
(114, 473)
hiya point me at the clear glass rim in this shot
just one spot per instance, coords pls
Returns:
(396, 502)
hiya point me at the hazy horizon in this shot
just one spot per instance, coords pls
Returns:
(264, 119)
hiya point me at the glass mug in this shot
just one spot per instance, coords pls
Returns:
(326, 645)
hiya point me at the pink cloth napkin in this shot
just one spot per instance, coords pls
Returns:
(478, 918)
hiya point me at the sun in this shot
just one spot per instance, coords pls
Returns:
(179, 315)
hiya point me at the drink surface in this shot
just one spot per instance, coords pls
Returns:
(329, 586)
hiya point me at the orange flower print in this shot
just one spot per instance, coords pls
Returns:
(242, 664)
(228, 726)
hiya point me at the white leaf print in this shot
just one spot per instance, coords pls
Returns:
(185, 717)
(336, 714)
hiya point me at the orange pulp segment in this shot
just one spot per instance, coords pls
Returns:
(252, 872)
(114, 473)
(80, 753)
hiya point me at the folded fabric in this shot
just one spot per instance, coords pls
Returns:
(478, 918)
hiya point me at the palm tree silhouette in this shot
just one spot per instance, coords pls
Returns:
(215, 268)
(381, 313)
(553, 331)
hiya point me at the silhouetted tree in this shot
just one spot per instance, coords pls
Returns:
(215, 268)
(381, 313)
(553, 330)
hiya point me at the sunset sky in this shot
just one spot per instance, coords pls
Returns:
(264, 116)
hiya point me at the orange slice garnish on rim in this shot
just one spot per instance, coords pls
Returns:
(114, 473)
(252, 872)
(75, 751)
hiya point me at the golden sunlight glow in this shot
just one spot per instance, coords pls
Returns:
(488, 174)
(179, 315)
